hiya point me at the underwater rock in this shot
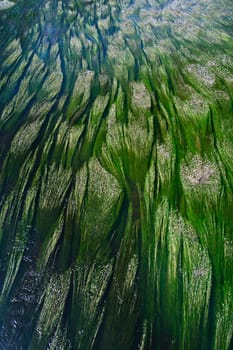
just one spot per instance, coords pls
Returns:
(5, 4)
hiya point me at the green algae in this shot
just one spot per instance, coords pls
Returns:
(116, 175)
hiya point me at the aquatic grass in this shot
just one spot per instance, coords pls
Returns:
(116, 175)
(55, 298)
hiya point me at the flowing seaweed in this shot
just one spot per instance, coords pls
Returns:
(116, 174)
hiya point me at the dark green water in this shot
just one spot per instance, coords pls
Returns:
(116, 174)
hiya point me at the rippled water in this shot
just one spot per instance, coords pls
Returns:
(116, 174)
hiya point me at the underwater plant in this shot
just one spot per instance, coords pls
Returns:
(116, 175)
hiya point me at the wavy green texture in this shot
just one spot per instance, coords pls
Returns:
(116, 174)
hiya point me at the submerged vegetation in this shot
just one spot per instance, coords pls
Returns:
(116, 174)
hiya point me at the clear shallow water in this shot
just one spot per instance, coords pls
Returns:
(116, 175)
